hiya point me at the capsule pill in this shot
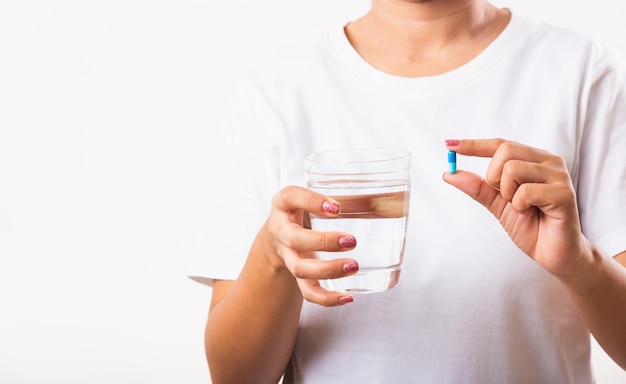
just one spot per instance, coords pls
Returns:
(452, 162)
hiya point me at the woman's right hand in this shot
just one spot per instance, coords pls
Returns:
(246, 342)
(292, 247)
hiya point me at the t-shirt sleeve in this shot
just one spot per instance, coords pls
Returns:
(602, 182)
(244, 175)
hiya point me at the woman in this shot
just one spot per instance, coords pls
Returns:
(480, 300)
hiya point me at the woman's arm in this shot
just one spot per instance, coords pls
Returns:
(530, 192)
(598, 290)
(252, 324)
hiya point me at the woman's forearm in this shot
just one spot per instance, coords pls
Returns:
(251, 331)
(600, 296)
(253, 321)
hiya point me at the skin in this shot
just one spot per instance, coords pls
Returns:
(425, 38)
(530, 192)
(253, 321)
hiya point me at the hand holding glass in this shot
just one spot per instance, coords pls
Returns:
(372, 186)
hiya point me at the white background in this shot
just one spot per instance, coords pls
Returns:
(107, 114)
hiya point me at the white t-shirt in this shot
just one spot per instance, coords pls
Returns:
(470, 307)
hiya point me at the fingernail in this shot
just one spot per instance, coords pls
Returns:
(347, 242)
(453, 143)
(330, 207)
(351, 266)
(346, 300)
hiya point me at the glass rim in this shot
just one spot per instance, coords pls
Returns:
(395, 155)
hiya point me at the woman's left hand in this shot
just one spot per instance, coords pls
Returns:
(530, 192)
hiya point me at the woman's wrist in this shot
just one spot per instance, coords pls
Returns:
(587, 269)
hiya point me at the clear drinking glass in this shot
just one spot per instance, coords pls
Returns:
(372, 186)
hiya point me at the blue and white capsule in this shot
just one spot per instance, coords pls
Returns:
(452, 162)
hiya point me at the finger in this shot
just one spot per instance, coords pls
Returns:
(292, 235)
(509, 151)
(312, 291)
(478, 189)
(477, 147)
(489, 147)
(501, 151)
(516, 173)
(312, 268)
(546, 197)
(293, 198)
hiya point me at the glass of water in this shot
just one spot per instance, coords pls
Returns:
(372, 186)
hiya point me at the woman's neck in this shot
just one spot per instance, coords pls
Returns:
(425, 38)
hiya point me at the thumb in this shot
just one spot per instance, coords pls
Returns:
(478, 189)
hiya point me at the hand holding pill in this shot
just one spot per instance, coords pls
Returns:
(530, 192)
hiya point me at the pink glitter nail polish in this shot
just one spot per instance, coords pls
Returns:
(346, 300)
(330, 207)
(347, 242)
